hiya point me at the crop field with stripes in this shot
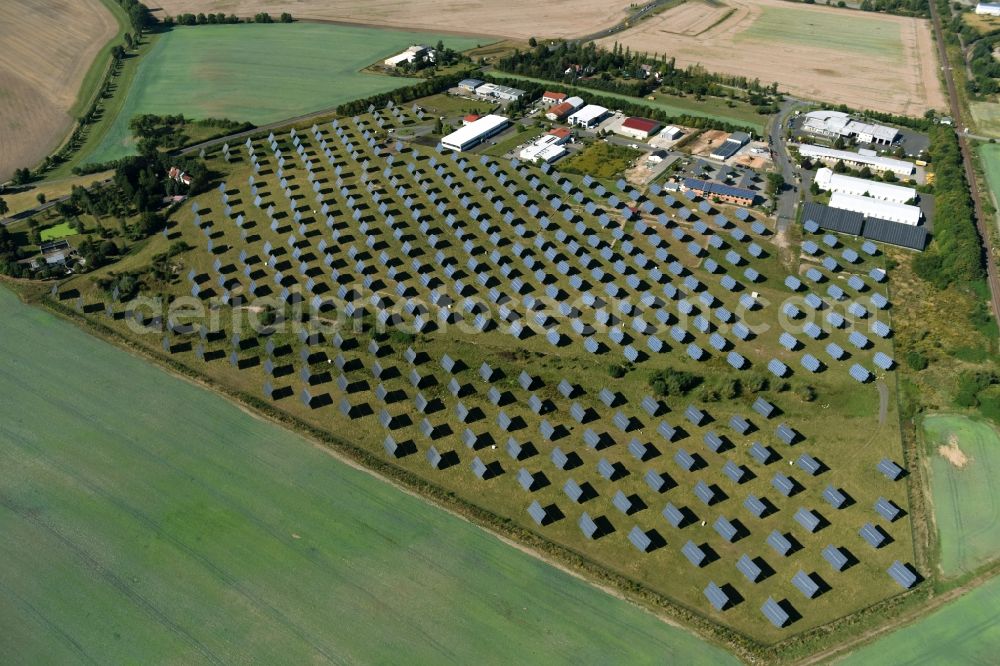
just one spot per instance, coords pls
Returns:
(460, 317)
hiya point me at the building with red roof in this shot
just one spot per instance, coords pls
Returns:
(639, 128)
(562, 134)
(550, 98)
(471, 118)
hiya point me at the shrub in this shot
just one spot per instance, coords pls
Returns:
(917, 360)
(673, 382)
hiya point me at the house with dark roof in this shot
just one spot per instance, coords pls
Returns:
(709, 189)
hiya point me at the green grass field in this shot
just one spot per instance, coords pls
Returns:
(601, 160)
(989, 153)
(715, 108)
(259, 73)
(966, 631)
(148, 521)
(57, 231)
(845, 31)
(967, 500)
(987, 117)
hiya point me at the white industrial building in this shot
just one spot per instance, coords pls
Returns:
(546, 148)
(505, 93)
(859, 159)
(671, 132)
(883, 210)
(838, 123)
(412, 54)
(588, 116)
(988, 8)
(840, 184)
(472, 134)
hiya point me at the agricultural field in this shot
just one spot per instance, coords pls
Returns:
(203, 72)
(48, 49)
(467, 327)
(966, 631)
(986, 116)
(740, 113)
(515, 18)
(867, 61)
(964, 457)
(989, 153)
(173, 526)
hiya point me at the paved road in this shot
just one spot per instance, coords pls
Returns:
(970, 175)
(788, 199)
(39, 208)
(625, 23)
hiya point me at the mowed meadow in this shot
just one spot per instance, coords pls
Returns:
(46, 50)
(964, 457)
(146, 520)
(259, 73)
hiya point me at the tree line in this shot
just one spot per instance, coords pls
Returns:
(637, 108)
(424, 88)
(956, 255)
(221, 18)
(636, 74)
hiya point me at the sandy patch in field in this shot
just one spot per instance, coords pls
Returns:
(704, 143)
(952, 453)
(513, 18)
(46, 47)
(904, 82)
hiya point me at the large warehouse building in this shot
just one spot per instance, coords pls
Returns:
(838, 183)
(839, 124)
(639, 128)
(883, 210)
(546, 148)
(730, 146)
(588, 116)
(497, 91)
(860, 159)
(988, 8)
(475, 132)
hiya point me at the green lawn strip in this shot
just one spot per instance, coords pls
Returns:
(95, 74)
(57, 231)
(173, 525)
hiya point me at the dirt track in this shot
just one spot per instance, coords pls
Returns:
(47, 47)
(513, 18)
(902, 82)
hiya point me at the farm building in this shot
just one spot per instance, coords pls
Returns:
(839, 124)
(496, 91)
(730, 146)
(549, 98)
(988, 8)
(470, 85)
(857, 160)
(638, 128)
(545, 148)
(416, 53)
(563, 109)
(838, 183)
(475, 132)
(875, 208)
(589, 116)
(712, 190)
